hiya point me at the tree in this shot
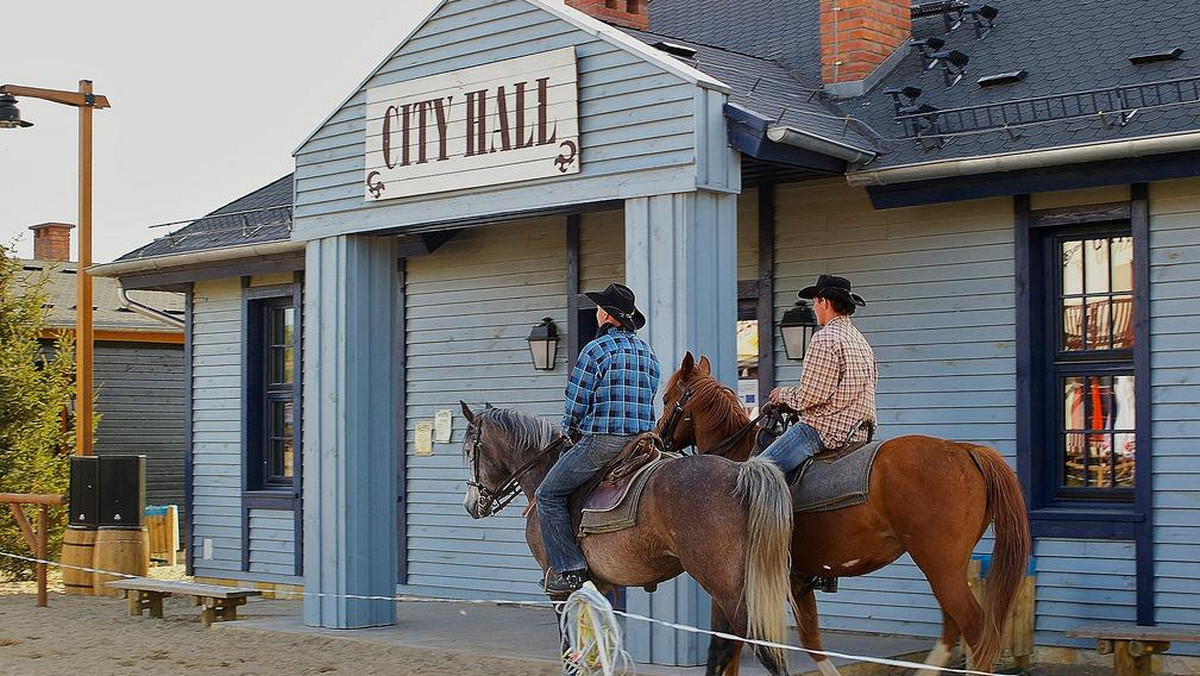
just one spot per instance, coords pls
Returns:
(36, 386)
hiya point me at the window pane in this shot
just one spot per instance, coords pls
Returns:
(1095, 265)
(278, 327)
(1072, 338)
(1073, 469)
(1122, 311)
(1099, 327)
(279, 371)
(289, 325)
(1073, 409)
(1072, 267)
(1098, 417)
(1122, 264)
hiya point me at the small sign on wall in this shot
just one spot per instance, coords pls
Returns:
(505, 122)
(424, 438)
(443, 425)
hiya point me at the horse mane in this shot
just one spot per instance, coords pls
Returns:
(715, 401)
(523, 431)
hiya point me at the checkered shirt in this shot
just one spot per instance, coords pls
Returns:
(611, 389)
(837, 388)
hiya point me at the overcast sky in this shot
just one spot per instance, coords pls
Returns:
(208, 102)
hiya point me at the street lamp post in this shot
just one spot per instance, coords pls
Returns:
(10, 118)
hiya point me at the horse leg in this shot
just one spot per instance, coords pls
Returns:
(940, 655)
(959, 608)
(770, 659)
(805, 609)
(723, 653)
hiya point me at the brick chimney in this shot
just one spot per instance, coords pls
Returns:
(627, 13)
(858, 36)
(52, 241)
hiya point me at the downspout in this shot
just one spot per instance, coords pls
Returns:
(146, 310)
(806, 140)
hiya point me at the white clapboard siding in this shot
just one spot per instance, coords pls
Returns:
(747, 253)
(217, 427)
(1175, 384)
(944, 374)
(272, 541)
(601, 249)
(217, 353)
(141, 402)
(637, 123)
(469, 307)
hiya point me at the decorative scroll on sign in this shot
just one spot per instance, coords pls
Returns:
(504, 122)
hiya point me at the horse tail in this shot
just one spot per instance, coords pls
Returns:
(764, 492)
(1010, 554)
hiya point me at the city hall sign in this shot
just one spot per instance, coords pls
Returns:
(504, 122)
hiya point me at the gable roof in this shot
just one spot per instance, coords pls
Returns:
(768, 88)
(572, 16)
(264, 215)
(1065, 49)
(110, 312)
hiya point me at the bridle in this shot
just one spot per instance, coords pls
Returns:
(490, 502)
(678, 414)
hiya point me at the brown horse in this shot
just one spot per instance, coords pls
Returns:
(688, 505)
(928, 497)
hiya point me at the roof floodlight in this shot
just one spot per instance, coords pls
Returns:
(953, 66)
(984, 19)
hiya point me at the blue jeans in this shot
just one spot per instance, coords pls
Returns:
(574, 468)
(795, 446)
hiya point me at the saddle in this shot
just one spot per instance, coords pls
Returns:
(609, 502)
(834, 479)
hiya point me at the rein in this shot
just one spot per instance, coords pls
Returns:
(727, 445)
(491, 502)
(678, 413)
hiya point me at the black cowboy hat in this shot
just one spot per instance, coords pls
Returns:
(832, 286)
(618, 301)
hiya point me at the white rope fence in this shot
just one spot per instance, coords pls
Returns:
(592, 605)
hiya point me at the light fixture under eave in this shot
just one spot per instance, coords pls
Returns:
(10, 115)
(797, 328)
(543, 344)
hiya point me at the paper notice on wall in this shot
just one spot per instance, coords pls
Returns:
(424, 440)
(443, 424)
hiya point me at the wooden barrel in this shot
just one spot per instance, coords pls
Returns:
(120, 550)
(78, 549)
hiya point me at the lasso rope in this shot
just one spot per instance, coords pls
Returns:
(592, 636)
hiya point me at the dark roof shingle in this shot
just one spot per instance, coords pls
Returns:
(264, 215)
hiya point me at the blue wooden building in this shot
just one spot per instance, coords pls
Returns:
(1015, 189)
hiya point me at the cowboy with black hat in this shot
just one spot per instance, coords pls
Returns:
(609, 401)
(837, 389)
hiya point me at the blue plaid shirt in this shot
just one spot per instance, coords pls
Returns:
(611, 390)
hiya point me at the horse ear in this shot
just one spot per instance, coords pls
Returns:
(488, 405)
(705, 366)
(688, 363)
(467, 412)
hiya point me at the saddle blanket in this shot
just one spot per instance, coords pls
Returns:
(611, 513)
(834, 480)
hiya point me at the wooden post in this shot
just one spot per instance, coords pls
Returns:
(83, 284)
(43, 536)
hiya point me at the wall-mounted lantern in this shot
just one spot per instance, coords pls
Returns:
(797, 329)
(543, 344)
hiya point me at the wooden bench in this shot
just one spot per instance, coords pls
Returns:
(1132, 646)
(219, 603)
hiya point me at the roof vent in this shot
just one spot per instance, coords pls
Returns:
(675, 49)
(1155, 57)
(910, 94)
(928, 47)
(954, 64)
(984, 17)
(1011, 77)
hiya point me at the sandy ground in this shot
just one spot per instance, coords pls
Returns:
(95, 636)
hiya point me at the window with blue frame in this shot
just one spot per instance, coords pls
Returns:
(272, 406)
(1089, 356)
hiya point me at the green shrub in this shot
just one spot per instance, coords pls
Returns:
(36, 385)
